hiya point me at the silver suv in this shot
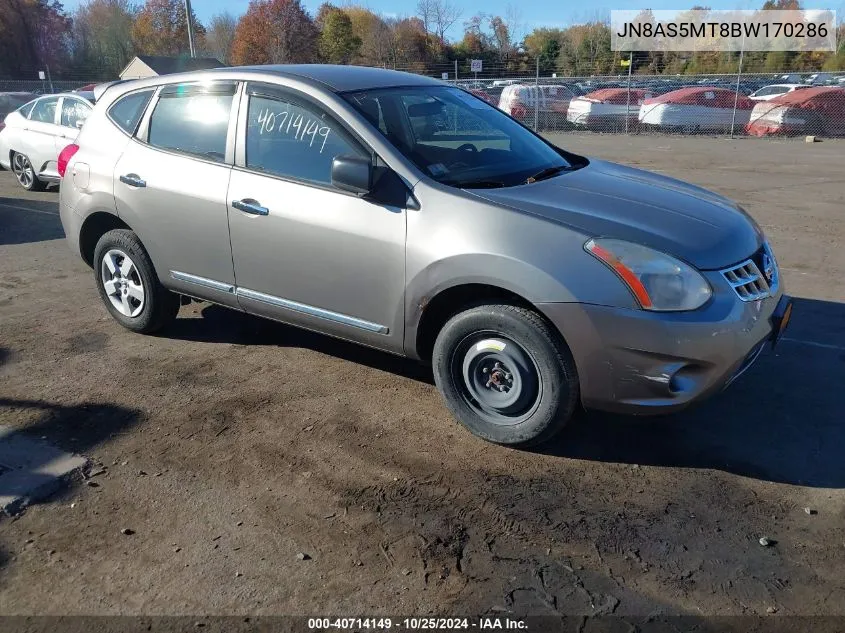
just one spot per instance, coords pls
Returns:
(405, 214)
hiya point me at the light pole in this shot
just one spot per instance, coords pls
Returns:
(188, 13)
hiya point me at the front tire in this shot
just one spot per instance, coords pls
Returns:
(128, 284)
(505, 374)
(25, 173)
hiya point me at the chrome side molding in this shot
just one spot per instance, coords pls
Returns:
(287, 304)
(321, 313)
(202, 281)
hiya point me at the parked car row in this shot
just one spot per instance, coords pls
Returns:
(786, 109)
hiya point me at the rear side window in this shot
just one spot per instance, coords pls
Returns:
(127, 111)
(44, 111)
(193, 120)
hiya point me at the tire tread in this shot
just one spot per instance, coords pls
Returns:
(569, 397)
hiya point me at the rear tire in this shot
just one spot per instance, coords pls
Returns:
(25, 173)
(128, 284)
(505, 374)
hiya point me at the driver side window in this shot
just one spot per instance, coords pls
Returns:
(293, 139)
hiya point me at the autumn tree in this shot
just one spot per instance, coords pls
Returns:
(408, 42)
(500, 37)
(474, 43)
(338, 43)
(102, 35)
(220, 36)
(375, 35)
(275, 32)
(33, 36)
(161, 28)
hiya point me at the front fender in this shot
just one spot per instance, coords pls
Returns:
(589, 282)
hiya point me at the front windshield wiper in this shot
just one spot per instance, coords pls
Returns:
(477, 184)
(548, 172)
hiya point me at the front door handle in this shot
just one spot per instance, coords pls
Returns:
(133, 180)
(248, 205)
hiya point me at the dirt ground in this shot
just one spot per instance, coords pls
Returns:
(231, 445)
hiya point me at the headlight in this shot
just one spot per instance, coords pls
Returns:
(657, 280)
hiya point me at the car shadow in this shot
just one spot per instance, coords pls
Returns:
(75, 429)
(782, 421)
(223, 325)
(26, 221)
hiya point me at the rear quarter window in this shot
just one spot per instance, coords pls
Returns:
(127, 111)
(26, 108)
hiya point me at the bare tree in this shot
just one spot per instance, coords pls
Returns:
(516, 25)
(445, 15)
(425, 11)
(438, 16)
(220, 36)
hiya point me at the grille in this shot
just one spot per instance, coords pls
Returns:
(747, 280)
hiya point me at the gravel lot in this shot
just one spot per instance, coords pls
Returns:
(231, 445)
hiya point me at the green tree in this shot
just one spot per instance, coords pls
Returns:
(338, 44)
(776, 61)
(102, 36)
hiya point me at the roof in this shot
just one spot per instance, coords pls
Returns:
(616, 95)
(79, 95)
(323, 76)
(807, 95)
(170, 65)
(710, 96)
(345, 78)
(783, 86)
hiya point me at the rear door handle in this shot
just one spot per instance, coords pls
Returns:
(248, 205)
(133, 180)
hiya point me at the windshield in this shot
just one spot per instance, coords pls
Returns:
(457, 138)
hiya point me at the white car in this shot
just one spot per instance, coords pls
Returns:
(775, 90)
(521, 100)
(35, 133)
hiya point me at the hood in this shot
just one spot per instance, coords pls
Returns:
(608, 200)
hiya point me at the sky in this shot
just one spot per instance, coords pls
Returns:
(531, 14)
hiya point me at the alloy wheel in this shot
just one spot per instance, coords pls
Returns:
(23, 171)
(122, 283)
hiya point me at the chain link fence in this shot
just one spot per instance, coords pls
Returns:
(759, 104)
(753, 104)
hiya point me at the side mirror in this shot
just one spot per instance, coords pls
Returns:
(352, 173)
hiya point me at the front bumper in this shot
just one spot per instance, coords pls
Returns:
(636, 361)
